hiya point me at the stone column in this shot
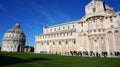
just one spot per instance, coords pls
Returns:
(99, 45)
(77, 42)
(114, 42)
(82, 42)
(107, 45)
(88, 45)
(93, 43)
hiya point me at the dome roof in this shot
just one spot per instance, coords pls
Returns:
(16, 29)
(15, 32)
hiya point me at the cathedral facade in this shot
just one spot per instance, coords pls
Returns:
(14, 40)
(97, 31)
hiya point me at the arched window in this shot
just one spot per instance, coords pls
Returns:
(55, 29)
(63, 27)
(41, 43)
(81, 24)
(59, 42)
(47, 43)
(99, 30)
(66, 42)
(111, 19)
(94, 9)
(64, 34)
(67, 34)
(68, 27)
(71, 33)
(84, 34)
(53, 43)
(9, 35)
(94, 30)
(73, 26)
(109, 32)
(74, 42)
(59, 28)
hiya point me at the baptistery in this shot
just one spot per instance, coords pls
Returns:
(14, 40)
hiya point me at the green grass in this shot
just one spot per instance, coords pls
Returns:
(43, 60)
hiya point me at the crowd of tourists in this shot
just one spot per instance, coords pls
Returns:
(94, 54)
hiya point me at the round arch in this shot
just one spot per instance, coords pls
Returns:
(84, 34)
(109, 32)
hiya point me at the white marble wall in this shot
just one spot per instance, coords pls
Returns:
(91, 33)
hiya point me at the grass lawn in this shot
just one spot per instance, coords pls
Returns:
(42, 60)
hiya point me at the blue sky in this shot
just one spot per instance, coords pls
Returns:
(32, 15)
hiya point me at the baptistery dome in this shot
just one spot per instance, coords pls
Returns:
(14, 40)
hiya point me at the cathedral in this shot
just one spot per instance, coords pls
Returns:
(13, 40)
(97, 31)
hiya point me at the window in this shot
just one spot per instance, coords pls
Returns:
(67, 34)
(71, 33)
(94, 30)
(112, 26)
(102, 37)
(60, 35)
(81, 24)
(14, 46)
(53, 43)
(103, 30)
(74, 42)
(59, 42)
(41, 43)
(73, 26)
(94, 2)
(111, 19)
(99, 30)
(59, 28)
(66, 42)
(94, 10)
(47, 43)
(13, 40)
(9, 35)
(90, 30)
(64, 34)
(68, 27)
(78, 22)
(82, 30)
(63, 27)
(55, 29)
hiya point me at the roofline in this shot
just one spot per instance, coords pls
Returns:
(62, 24)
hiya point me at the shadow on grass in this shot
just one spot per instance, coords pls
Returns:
(8, 60)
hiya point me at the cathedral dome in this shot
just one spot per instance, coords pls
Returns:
(14, 40)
